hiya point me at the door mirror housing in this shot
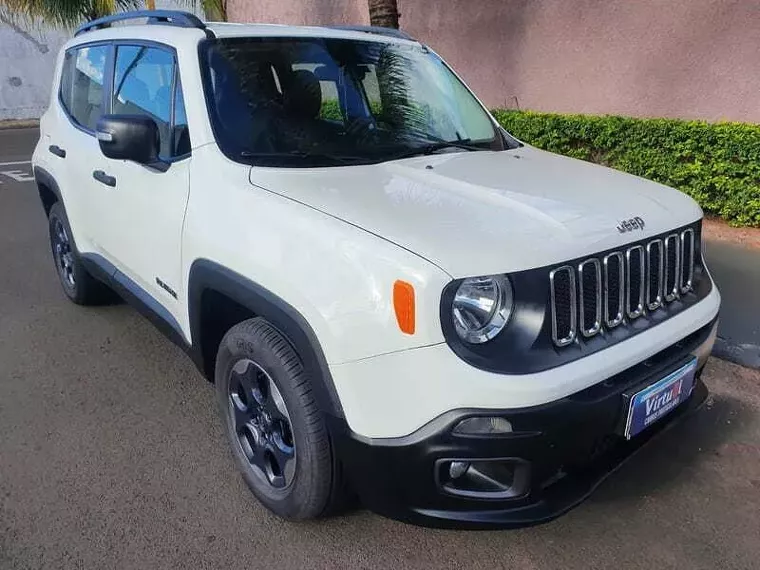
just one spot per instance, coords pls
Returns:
(129, 137)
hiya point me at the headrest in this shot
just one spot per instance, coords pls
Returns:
(302, 94)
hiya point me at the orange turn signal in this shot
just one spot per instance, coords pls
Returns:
(403, 304)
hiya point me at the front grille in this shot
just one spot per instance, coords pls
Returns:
(602, 292)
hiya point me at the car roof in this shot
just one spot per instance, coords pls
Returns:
(362, 33)
(175, 35)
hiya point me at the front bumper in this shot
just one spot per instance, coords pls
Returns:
(569, 447)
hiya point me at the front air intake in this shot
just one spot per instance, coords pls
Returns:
(602, 292)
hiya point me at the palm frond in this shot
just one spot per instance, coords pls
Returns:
(62, 13)
(215, 10)
(70, 13)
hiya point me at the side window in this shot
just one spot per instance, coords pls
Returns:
(181, 132)
(144, 82)
(82, 84)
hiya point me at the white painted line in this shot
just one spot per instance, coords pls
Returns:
(15, 163)
(17, 175)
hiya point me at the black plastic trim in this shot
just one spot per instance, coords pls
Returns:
(56, 150)
(206, 275)
(177, 18)
(376, 30)
(570, 445)
(104, 178)
(104, 271)
(44, 178)
(209, 276)
(525, 345)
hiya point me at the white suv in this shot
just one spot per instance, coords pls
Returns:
(394, 297)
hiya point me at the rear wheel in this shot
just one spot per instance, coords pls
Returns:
(78, 285)
(274, 426)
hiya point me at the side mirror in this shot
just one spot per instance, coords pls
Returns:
(129, 137)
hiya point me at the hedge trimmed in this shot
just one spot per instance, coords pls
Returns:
(716, 164)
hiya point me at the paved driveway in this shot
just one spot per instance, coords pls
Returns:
(111, 456)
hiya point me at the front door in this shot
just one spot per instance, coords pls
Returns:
(143, 212)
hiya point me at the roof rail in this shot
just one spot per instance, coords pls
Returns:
(378, 30)
(164, 17)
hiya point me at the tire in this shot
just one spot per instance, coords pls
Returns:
(266, 402)
(78, 285)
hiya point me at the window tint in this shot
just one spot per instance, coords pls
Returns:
(82, 84)
(328, 85)
(372, 89)
(147, 81)
(181, 142)
(142, 85)
(326, 102)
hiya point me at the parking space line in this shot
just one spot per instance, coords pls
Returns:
(18, 162)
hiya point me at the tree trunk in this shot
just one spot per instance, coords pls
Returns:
(383, 13)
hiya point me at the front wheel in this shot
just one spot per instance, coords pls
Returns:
(274, 426)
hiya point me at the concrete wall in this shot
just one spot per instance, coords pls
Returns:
(673, 58)
(27, 62)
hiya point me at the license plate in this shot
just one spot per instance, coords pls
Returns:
(659, 399)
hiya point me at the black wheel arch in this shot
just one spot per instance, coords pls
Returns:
(243, 298)
(48, 188)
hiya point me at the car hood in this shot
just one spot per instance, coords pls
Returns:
(476, 213)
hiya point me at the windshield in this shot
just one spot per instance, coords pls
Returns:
(327, 102)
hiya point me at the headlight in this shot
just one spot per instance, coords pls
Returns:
(481, 307)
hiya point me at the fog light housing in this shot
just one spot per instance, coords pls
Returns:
(484, 478)
(458, 468)
(483, 425)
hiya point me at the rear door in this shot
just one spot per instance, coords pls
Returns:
(142, 215)
(73, 148)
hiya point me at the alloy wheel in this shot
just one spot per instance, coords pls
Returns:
(262, 423)
(64, 254)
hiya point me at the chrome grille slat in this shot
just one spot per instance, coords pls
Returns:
(619, 290)
(554, 279)
(630, 282)
(601, 293)
(672, 270)
(687, 256)
(584, 275)
(654, 274)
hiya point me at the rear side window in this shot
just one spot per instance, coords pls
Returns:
(146, 82)
(82, 81)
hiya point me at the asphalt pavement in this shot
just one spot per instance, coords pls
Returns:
(112, 455)
(736, 270)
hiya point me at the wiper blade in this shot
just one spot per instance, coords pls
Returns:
(343, 159)
(432, 146)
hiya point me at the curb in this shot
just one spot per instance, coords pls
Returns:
(744, 354)
(19, 124)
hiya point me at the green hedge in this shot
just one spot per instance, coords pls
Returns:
(716, 164)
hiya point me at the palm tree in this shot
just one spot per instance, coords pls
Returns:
(383, 13)
(70, 13)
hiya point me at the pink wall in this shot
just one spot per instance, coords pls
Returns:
(673, 58)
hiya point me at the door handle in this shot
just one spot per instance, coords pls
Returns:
(101, 176)
(56, 150)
